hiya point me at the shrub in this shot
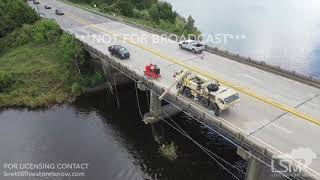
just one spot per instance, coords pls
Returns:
(46, 31)
(76, 89)
(15, 13)
(106, 8)
(16, 38)
(141, 14)
(136, 13)
(169, 151)
(162, 10)
(154, 13)
(143, 4)
(179, 25)
(166, 12)
(69, 47)
(125, 8)
(96, 78)
(6, 80)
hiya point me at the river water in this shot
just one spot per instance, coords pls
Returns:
(284, 33)
(114, 142)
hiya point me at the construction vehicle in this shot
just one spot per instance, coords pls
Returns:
(152, 71)
(209, 93)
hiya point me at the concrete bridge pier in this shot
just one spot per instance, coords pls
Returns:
(154, 111)
(257, 170)
(157, 112)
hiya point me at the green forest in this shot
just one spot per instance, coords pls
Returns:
(154, 13)
(37, 60)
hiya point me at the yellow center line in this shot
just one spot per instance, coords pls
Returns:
(284, 107)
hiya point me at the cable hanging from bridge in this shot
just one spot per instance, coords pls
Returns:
(183, 132)
(116, 89)
(188, 114)
(226, 169)
(251, 154)
(234, 143)
(206, 150)
(138, 103)
(268, 165)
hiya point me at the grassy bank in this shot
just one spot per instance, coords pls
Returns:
(39, 76)
(39, 64)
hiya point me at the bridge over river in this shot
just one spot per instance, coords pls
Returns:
(278, 116)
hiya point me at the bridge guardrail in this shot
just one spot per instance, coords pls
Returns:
(243, 140)
(312, 81)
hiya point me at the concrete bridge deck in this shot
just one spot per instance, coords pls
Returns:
(275, 112)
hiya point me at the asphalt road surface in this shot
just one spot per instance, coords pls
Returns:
(265, 97)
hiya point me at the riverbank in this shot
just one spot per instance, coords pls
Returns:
(36, 75)
(39, 63)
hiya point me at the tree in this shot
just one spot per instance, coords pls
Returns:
(69, 47)
(189, 27)
(125, 8)
(15, 13)
(166, 12)
(109, 2)
(154, 13)
(143, 4)
(46, 31)
(162, 10)
(190, 21)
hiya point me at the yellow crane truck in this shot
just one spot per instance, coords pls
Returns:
(209, 93)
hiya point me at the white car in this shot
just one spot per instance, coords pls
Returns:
(192, 45)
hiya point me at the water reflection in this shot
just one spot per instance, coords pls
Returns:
(115, 143)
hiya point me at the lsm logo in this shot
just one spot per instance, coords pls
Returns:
(293, 163)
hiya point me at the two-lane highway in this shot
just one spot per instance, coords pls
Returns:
(275, 111)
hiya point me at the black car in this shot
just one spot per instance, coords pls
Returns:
(119, 51)
(59, 12)
(47, 7)
(36, 2)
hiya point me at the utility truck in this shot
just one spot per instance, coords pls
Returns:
(209, 93)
